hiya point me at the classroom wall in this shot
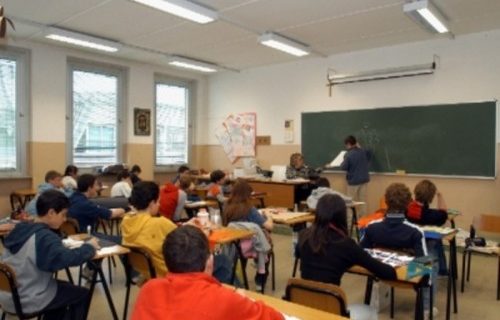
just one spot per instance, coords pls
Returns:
(467, 71)
(47, 143)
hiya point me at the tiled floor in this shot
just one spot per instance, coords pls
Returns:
(478, 301)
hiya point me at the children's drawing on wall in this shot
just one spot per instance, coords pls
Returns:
(237, 134)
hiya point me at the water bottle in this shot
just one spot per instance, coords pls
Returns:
(296, 208)
(216, 218)
(89, 230)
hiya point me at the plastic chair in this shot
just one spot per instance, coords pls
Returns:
(8, 284)
(489, 224)
(136, 259)
(323, 296)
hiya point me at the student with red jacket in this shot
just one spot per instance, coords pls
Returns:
(189, 291)
(420, 213)
(173, 198)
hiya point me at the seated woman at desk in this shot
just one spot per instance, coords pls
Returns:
(327, 252)
(297, 167)
(239, 208)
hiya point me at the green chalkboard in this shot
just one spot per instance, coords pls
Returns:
(452, 139)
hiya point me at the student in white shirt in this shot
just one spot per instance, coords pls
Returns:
(322, 189)
(123, 188)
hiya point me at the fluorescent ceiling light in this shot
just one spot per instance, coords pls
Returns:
(289, 46)
(425, 13)
(184, 9)
(82, 40)
(192, 64)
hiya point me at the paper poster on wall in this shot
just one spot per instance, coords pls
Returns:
(237, 134)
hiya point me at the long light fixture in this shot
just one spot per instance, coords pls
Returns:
(426, 14)
(284, 44)
(381, 74)
(184, 9)
(193, 64)
(82, 40)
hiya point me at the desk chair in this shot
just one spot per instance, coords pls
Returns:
(138, 259)
(486, 223)
(323, 296)
(244, 262)
(8, 284)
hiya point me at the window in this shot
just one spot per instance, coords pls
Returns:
(95, 104)
(172, 118)
(14, 128)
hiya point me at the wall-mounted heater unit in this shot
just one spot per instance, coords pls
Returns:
(334, 78)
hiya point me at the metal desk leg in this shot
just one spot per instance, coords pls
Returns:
(98, 270)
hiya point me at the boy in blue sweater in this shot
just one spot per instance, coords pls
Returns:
(35, 252)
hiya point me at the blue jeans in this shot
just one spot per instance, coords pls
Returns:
(433, 248)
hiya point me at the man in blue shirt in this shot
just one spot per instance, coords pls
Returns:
(356, 163)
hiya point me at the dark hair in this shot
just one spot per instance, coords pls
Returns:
(331, 216)
(425, 191)
(51, 199)
(135, 169)
(124, 174)
(350, 140)
(294, 157)
(186, 250)
(397, 197)
(70, 170)
(238, 205)
(217, 175)
(143, 192)
(182, 169)
(323, 182)
(185, 182)
(51, 175)
(85, 182)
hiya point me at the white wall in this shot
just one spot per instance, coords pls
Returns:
(469, 70)
(49, 88)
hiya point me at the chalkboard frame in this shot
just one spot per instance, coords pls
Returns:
(488, 171)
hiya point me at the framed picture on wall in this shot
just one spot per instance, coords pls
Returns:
(142, 122)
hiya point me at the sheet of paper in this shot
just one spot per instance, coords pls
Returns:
(338, 159)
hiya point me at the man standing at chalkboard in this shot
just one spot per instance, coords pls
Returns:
(356, 163)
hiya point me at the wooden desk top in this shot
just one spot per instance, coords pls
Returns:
(201, 204)
(293, 309)
(280, 219)
(25, 192)
(228, 235)
(285, 182)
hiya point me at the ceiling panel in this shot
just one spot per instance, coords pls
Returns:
(48, 11)
(192, 37)
(281, 15)
(134, 20)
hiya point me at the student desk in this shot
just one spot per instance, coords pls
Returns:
(232, 236)
(96, 263)
(293, 309)
(417, 283)
(279, 194)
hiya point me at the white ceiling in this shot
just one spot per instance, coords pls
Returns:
(328, 26)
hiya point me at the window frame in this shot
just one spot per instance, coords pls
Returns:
(23, 108)
(121, 73)
(190, 85)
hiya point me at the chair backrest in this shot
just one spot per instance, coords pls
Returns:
(487, 223)
(8, 284)
(69, 227)
(140, 259)
(323, 296)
